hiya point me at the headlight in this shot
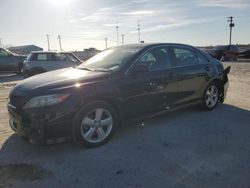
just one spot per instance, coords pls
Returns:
(45, 100)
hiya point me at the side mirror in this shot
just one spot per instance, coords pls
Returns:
(139, 68)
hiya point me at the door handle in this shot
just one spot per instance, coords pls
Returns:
(152, 84)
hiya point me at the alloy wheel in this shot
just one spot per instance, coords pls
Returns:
(211, 97)
(96, 125)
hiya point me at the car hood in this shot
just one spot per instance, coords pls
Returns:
(61, 78)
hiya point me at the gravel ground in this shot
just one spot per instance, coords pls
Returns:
(185, 148)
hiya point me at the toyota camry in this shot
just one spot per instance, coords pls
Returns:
(123, 83)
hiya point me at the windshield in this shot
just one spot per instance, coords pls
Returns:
(111, 59)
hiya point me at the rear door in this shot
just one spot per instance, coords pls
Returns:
(193, 71)
(41, 61)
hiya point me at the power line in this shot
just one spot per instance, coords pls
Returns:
(47, 35)
(123, 39)
(106, 42)
(117, 34)
(231, 25)
(60, 44)
(139, 29)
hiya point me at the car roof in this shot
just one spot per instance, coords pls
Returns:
(153, 44)
(49, 52)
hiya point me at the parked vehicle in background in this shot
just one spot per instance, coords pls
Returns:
(9, 62)
(225, 53)
(245, 54)
(40, 62)
(119, 84)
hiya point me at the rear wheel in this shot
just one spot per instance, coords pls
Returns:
(94, 124)
(19, 67)
(210, 96)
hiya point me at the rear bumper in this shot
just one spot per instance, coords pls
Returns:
(225, 83)
(225, 88)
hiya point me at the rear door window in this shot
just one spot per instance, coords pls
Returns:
(185, 57)
(42, 57)
(157, 58)
(201, 59)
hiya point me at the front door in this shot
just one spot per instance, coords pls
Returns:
(149, 92)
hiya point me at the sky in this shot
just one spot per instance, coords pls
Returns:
(86, 23)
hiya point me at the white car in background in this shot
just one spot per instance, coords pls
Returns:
(44, 61)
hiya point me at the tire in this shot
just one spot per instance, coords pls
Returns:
(94, 124)
(19, 67)
(210, 97)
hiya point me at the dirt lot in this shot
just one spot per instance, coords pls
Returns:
(186, 148)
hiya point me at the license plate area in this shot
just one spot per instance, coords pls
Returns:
(15, 122)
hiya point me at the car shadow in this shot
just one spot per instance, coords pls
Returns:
(10, 78)
(14, 144)
(172, 142)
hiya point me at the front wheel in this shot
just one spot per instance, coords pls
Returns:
(210, 97)
(94, 124)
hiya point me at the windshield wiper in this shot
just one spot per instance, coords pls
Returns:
(102, 70)
(84, 68)
(95, 70)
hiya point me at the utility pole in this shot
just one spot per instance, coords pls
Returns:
(47, 35)
(123, 39)
(106, 42)
(117, 34)
(60, 44)
(231, 25)
(139, 29)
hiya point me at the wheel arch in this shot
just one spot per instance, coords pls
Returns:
(38, 69)
(113, 101)
(219, 83)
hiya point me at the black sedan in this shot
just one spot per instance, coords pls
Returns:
(119, 84)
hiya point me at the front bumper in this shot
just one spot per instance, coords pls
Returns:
(41, 124)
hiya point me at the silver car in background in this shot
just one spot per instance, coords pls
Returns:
(40, 62)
